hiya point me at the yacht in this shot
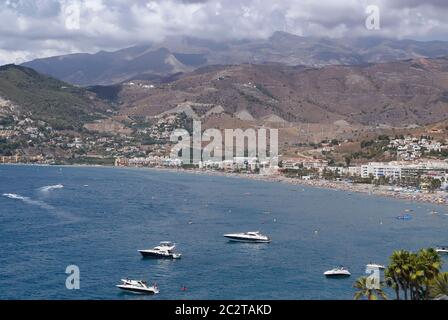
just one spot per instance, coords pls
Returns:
(138, 286)
(442, 249)
(404, 217)
(254, 236)
(338, 272)
(165, 249)
(375, 266)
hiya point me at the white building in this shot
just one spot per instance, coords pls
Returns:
(381, 169)
(346, 171)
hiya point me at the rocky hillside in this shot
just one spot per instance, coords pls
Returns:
(406, 93)
(40, 97)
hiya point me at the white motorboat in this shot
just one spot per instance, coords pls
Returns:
(165, 249)
(338, 272)
(442, 249)
(138, 286)
(254, 236)
(375, 266)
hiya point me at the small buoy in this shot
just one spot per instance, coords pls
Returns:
(316, 232)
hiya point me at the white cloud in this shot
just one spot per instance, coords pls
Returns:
(34, 28)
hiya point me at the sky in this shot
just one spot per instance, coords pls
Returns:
(40, 28)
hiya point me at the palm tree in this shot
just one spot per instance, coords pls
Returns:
(364, 290)
(398, 272)
(412, 273)
(438, 287)
(392, 282)
(426, 266)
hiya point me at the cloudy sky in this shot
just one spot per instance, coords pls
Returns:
(40, 28)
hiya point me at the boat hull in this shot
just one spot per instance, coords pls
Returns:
(236, 239)
(337, 275)
(137, 290)
(154, 255)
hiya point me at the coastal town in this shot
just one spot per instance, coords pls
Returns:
(425, 180)
(420, 171)
(415, 166)
(405, 165)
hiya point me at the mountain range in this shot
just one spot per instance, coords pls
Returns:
(402, 93)
(185, 54)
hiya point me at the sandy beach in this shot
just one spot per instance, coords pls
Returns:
(438, 197)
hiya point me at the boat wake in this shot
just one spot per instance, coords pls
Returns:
(29, 201)
(49, 188)
(14, 196)
(41, 204)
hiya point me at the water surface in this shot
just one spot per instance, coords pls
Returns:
(102, 216)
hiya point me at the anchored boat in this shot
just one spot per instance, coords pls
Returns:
(442, 249)
(375, 266)
(338, 272)
(138, 286)
(165, 249)
(255, 237)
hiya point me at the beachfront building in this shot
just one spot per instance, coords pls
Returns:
(246, 163)
(433, 167)
(398, 170)
(315, 164)
(150, 161)
(210, 164)
(169, 162)
(381, 169)
(353, 171)
(291, 164)
(307, 163)
(10, 159)
(238, 163)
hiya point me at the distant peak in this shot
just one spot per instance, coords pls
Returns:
(283, 35)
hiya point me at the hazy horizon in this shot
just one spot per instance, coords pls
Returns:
(42, 28)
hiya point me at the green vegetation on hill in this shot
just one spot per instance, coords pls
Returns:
(8, 148)
(61, 105)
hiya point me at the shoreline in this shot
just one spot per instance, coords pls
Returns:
(381, 191)
(437, 198)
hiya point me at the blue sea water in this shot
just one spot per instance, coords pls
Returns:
(102, 216)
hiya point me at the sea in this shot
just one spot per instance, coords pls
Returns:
(97, 218)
